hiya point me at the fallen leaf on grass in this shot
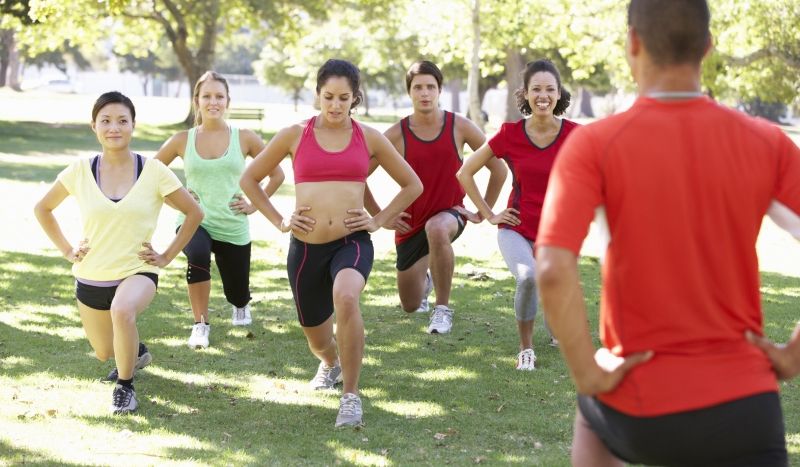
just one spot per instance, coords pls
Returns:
(384, 452)
(250, 335)
(272, 373)
(51, 412)
(440, 436)
(478, 460)
(193, 410)
(500, 408)
(364, 440)
(125, 434)
(226, 434)
(537, 445)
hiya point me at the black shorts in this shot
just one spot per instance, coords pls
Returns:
(313, 267)
(416, 247)
(100, 298)
(744, 432)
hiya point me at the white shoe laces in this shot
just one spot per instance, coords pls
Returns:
(438, 316)
(240, 313)
(323, 374)
(348, 405)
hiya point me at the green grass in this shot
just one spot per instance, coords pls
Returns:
(244, 401)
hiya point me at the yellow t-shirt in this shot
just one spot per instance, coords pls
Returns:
(116, 231)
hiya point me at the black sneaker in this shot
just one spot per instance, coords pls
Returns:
(144, 359)
(123, 400)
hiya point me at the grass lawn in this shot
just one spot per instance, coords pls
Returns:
(429, 400)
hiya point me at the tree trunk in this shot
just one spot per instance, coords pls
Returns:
(475, 69)
(586, 103)
(145, 80)
(13, 66)
(513, 68)
(180, 81)
(6, 38)
(197, 63)
(366, 100)
(455, 89)
(296, 97)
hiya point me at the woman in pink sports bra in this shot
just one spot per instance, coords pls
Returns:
(330, 252)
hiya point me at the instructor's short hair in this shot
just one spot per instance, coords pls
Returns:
(674, 32)
(423, 67)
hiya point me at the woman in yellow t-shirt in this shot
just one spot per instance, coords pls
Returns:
(120, 195)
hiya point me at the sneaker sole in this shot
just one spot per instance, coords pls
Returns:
(242, 323)
(339, 425)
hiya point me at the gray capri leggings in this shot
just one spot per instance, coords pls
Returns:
(517, 252)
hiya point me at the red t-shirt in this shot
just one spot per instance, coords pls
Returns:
(530, 168)
(685, 185)
(435, 162)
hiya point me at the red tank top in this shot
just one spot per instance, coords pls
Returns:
(314, 164)
(435, 163)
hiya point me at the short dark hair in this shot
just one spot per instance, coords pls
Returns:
(338, 68)
(531, 68)
(113, 97)
(674, 32)
(424, 67)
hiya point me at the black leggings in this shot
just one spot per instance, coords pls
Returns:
(233, 262)
(747, 432)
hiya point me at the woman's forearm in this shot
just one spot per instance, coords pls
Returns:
(260, 200)
(471, 188)
(401, 201)
(50, 226)
(185, 233)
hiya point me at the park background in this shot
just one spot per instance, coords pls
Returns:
(428, 400)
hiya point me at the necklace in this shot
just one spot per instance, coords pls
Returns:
(675, 95)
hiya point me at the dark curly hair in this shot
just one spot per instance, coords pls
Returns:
(531, 68)
(338, 68)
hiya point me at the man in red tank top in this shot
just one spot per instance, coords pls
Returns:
(431, 140)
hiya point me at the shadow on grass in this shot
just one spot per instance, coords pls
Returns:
(245, 399)
(11, 455)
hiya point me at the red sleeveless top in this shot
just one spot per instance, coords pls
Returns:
(314, 164)
(435, 163)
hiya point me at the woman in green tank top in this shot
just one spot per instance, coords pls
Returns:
(214, 158)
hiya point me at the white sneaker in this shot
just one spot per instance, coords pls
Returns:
(425, 307)
(349, 410)
(327, 377)
(441, 320)
(199, 337)
(525, 360)
(241, 316)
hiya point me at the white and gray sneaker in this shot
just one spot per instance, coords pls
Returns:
(349, 410)
(199, 337)
(123, 400)
(525, 360)
(441, 320)
(425, 307)
(327, 377)
(241, 316)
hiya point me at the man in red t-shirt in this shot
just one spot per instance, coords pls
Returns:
(681, 185)
(431, 140)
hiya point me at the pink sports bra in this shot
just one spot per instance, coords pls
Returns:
(314, 164)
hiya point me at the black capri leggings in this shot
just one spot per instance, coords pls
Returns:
(233, 262)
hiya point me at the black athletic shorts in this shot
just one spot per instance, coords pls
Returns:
(745, 432)
(100, 298)
(416, 247)
(313, 267)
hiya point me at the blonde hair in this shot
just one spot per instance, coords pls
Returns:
(207, 76)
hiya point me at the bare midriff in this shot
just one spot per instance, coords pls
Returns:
(329, 202)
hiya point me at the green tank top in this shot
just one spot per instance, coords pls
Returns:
(216, 181)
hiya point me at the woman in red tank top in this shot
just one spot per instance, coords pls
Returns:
(330, 251)
(529, 147)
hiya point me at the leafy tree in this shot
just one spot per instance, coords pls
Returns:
(192, 27)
